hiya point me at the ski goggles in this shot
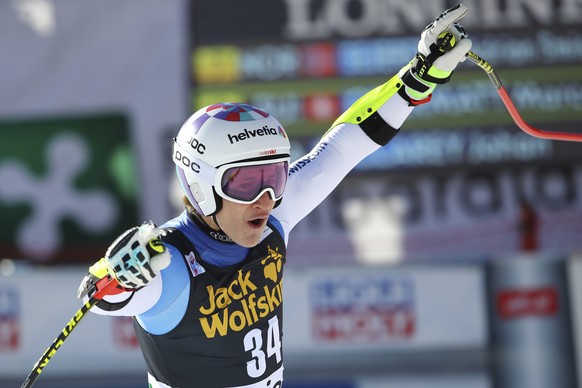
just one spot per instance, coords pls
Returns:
(246, 182)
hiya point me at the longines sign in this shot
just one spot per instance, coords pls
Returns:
(309, 19)
(301, 20)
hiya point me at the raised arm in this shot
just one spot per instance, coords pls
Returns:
(373, 120)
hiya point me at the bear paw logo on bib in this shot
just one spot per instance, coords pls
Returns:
(272, 264)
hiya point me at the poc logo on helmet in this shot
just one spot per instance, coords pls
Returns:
(196, 145)
(186, 162)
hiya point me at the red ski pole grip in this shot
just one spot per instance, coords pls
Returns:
(107, 286)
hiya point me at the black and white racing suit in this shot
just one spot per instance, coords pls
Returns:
(213, 317)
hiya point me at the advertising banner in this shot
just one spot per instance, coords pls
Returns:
(460, 214)
(71, 186)
(335, 311)
(454, 181)
(332, 51)
(330, 314)
(104, 80)
(36, 305)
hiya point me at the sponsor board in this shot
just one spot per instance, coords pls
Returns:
(367, 309)
(10, 319)
(73, 186)
(532, 302)
(383, 308)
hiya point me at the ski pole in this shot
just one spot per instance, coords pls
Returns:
(488, 68)
(103, 287)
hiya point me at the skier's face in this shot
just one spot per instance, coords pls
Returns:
(245, 224)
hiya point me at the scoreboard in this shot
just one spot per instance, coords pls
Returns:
(306, 61)
(448, 186)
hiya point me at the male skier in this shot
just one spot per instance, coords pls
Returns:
(205, 288)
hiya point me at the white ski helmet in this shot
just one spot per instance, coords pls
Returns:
(220, 136)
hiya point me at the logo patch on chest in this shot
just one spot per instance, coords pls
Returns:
(194, 265)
